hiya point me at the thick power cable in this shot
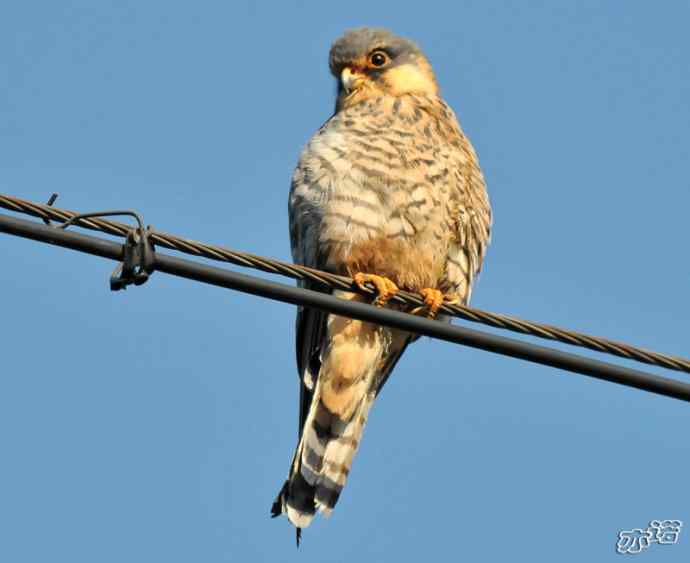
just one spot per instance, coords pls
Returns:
(333, 281)
(315, 299)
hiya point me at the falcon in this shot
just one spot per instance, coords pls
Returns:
(389, 192)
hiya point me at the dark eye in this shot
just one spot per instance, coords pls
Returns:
(378, 58)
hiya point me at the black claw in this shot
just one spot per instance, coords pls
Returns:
(298, 535)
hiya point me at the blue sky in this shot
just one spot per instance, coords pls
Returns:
(157, 424)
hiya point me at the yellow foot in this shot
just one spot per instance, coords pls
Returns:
(433, 299)
(385, 288)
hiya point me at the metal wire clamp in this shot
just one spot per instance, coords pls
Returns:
(138, 257)
(138, 261)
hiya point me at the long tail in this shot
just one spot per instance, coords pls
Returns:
(356, 361)
(321, 463)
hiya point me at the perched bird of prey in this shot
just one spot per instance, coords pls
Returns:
(389, 192)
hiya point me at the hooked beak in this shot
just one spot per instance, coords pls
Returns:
(350, 80)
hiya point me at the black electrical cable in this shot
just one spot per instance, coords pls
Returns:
(308, 298)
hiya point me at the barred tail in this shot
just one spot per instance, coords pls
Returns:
(322, 462)
(354, 365)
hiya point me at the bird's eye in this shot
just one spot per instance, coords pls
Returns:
(378, 58)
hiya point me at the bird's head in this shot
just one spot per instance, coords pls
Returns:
(369, 62)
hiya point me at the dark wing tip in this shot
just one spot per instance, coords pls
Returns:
(277, 506)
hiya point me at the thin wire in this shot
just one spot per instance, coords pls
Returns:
(415, 324)
(333, 281)
(112, 213)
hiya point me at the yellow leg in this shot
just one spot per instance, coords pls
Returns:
(434, 298)
(385, 288)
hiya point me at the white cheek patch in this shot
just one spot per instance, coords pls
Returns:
(409, 78)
